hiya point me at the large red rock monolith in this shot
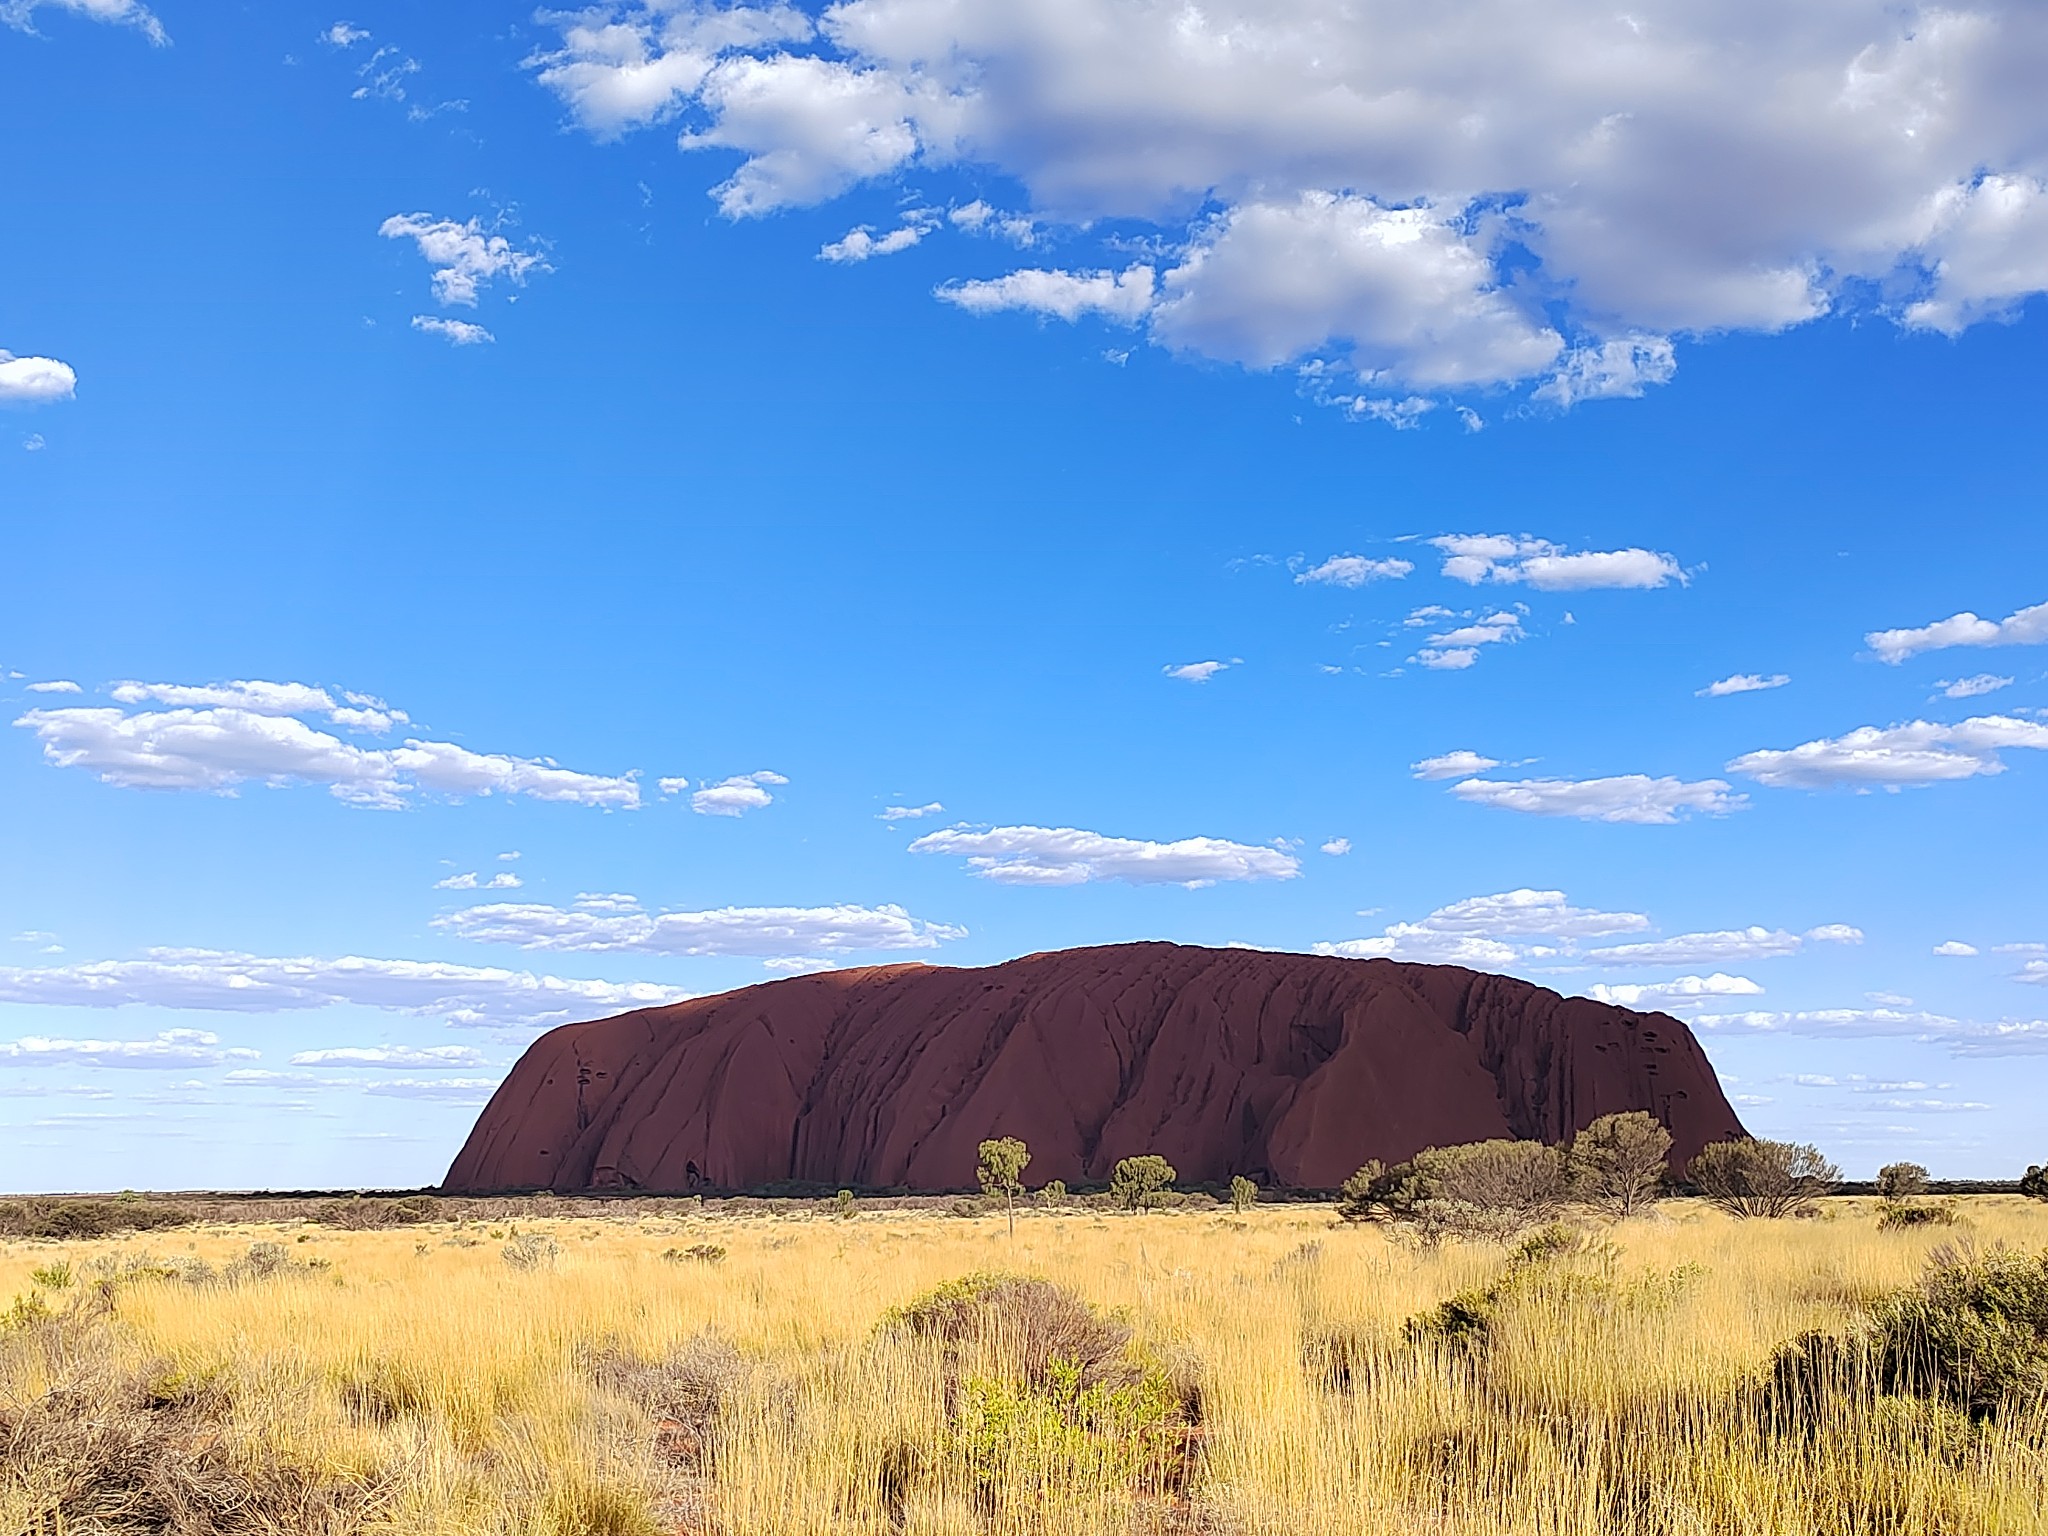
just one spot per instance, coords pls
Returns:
(1292, 1069)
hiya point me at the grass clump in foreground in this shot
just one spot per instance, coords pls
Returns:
(1252, 1373)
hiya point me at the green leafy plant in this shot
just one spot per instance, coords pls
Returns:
(1619, 1162)
(1901, 1181)
(1752, 1178)
(2034, 1184)
(1490, 1189)
(1140, 1183)
(1244, 1194)
(1971, 1334)
(999, 1165)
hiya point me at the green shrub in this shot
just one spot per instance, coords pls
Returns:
(696, 1253)
(373, 1214)
(1026, 1321)
(1619, 1162)
(1054, 1192)
(1049, 1397)
(60, 1218)
(1139, 1183)
(1491, 1189)
(2034, 1184)
(1901, 1181)
(842, 1204)
(1763, 1178)
(52, 1277)
(1244, 1194)
(1895, 1215)
(1972, 1335)
(1974, 1331)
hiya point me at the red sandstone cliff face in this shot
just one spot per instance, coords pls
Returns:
(1292, 1069)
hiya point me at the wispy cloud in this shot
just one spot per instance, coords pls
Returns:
(1069, 856)
(617, 924)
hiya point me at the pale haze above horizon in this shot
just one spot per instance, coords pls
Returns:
(516, 515)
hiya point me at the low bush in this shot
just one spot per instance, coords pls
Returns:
(1752, 1178)
(1022, 1320)
(682, 1390)
(1972, 1334)
(696, 1253)
(2034, 1184)
(1895, 1215)
(128, 1450)
(1490, 1189)
(1244, 1194)
(530, 1251)
(1050, 1397)
(60, 1218)
(361, 1213)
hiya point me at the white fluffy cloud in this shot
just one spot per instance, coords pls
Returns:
(57, 685)
(2029, 626)
(863, 243)
(911, 812)
(737, 795)
(617, 924)
(465, 256)
(1893, 757)
(1308, 171)
(1723, 946)
(1406, 297)
(34, 380)
(1123, 297)
(228, 982)
(1677, 992)
(1337, 847)
(131, 13)
(1620, 369)
(469, 880)
(1630, 797)
(1197, 671)
(1476, 557)
(1742, 682)
(1453, 765)
(457, 333)
(171, 1049)
(1068, 856)
(1456, 648)
(219, 737)
(1488, 932)
(1354, 571)
(1955, 949)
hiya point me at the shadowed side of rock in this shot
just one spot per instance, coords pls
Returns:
(1292, 1069)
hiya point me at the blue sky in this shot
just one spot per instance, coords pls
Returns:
(512, 515)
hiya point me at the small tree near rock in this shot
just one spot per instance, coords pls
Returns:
(1763, 1178)
(1901, 1181)
(2035, 1184)
(1244, 1194)
(1136, 1183)
(1619, 1162)
(1491, 1189)
(1000, 1167)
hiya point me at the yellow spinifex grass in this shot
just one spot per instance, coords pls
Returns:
(454, 1393)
